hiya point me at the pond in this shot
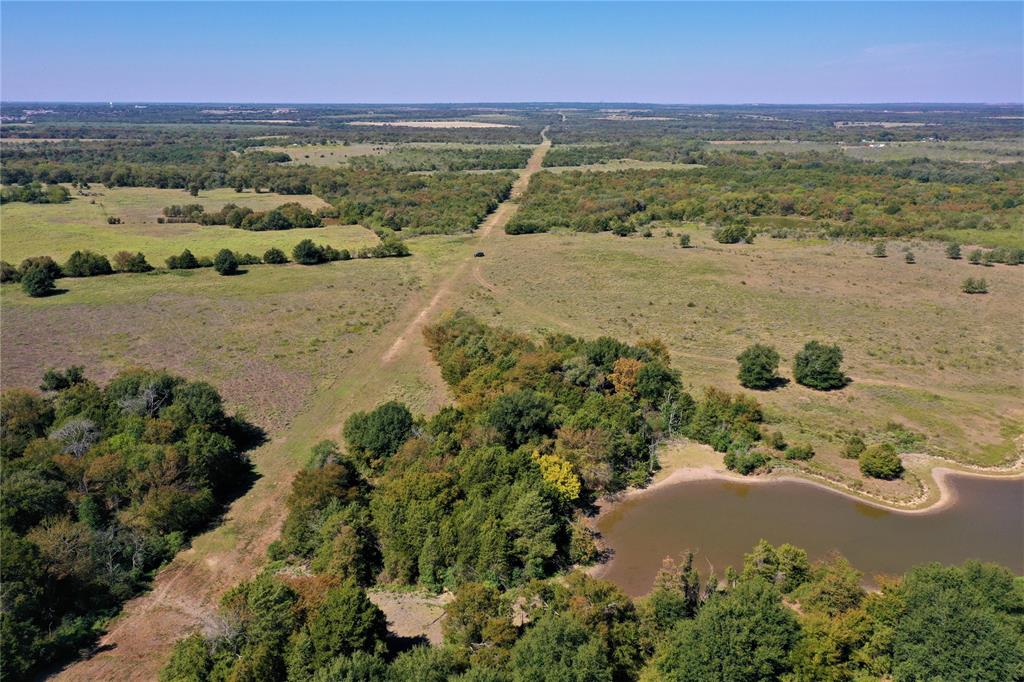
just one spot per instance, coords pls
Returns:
(722, 520)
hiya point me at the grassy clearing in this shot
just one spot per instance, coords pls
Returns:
(57, 230)
(268, 339)
(921, 354)
(977, 151)
(327, 154)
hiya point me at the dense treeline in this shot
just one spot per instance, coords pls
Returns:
(284, 217)
(670, 149)
(444, 203)
(781, 618)
(102, 485)
(837, 196)
(445, 159)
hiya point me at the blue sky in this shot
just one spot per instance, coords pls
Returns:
(502, 52)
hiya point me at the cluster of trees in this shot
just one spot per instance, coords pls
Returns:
(781, 618)
(34, 193)
(816, 366)
(308, 253)
(443, 203)
(671, 149)
(284, 217)
(38, 273)
(445, 159)
(492, 488)
(101, 485)
(837, 196)
(1003, 254)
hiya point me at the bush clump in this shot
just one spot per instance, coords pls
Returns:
(974, 285)
(817, 366)
(86, 264)
(225, 262)
(800, 452)
(37, 282)
(881, 461)
(184, 261)
(274, 256)
(733, 234)
(759, 366)
(126, 261)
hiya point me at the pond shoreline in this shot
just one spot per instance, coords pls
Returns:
(947, 495)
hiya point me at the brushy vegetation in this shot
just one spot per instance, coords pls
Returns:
(835, 196)
(782, 617)
(284, 217)
(445, 203)
(445, 159)
(101, 486)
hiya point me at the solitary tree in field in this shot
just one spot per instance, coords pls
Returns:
(818, 366)
(759, 366)
(953, 251)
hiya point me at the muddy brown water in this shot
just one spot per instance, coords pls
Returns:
(720, 521)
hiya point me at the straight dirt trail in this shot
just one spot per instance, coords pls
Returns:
(498, 219)
(185, 595)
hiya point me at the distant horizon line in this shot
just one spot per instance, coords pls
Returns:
(511, 102)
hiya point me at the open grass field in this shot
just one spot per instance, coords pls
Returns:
(980, 151)
(327, 154)
(57, 230)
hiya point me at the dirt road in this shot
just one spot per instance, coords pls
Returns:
(185, 595)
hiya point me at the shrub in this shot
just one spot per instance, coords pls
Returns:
(684, 241)
(818, 366)
(976, 257)
(184, 261)
(225, 262)
(125, 261)
(775, 440)
(274, 256)
(37, 282)
(973, 285)
(247, 259)
(113, 220)
(758, 367)
(8, 273)
(854, 447)
(44, 262)
(743, 459)
(801, 452)
(879, 250)
(881, 461)
(953, 251)
(86, 264)
(307, 253)
(732, 234)
(909, 258)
